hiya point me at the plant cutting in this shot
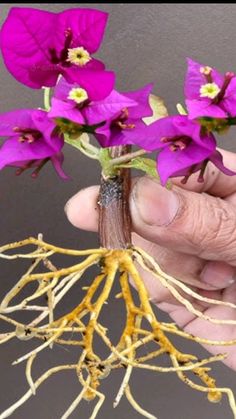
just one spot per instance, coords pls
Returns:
(118, 130)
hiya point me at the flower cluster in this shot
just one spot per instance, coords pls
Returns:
(55, 50)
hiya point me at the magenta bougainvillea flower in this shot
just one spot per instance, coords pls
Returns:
(127, 122)
(184, 148)
(209, 93)
(72, 102)
(31, 141)
(37, 46)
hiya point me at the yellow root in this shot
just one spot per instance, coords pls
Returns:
(80, 326)
(47, 246)
(214, 394)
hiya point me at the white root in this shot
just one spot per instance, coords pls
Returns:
(126, 378)
(43, 346)
(76, 402)
(28, 373)
(189, 306)
(182, 285)
(198, 387)
(8, 412)
(136, 406)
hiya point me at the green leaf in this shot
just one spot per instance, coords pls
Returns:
(158, 107)
(181, 109)
(145, 165)
(82, 144)
(220, 125)
(76, 142)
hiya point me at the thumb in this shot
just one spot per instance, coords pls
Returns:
(185, 221)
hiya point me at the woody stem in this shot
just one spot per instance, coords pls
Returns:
(113, 202)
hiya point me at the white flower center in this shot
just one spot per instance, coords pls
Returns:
(78, 95)
(78, 56)
(210, 90)
(206, 70)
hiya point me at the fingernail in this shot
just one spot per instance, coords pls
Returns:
(69, 202)
(66, 207)
(155, 204)
(218, 274)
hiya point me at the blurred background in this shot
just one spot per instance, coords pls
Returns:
(143, 43)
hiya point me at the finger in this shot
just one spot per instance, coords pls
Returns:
(82, 209)
(218, 274)
(83, 213)
(193, 223)
(197, 224)
(201, 328)
(188, 268)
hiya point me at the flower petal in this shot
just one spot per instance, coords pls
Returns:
(87, 26)
(57, 160)
(41, 73)
(141, 135)
(229, 101)
(14, 151)
(141, 96)
(204, 107)
(111, 106)
(24, 44)
(217, 159)
(62, 109)
(29, 35)
(195, 79)
(21, 118)
(103, 134)
(44, 125)
(177, 163)
(149, 136)
(62, 89)
(109, 136)
(192, 129)
(98, 84)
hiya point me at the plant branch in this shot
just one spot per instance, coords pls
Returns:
(127, 157)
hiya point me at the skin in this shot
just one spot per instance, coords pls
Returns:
(191, 232)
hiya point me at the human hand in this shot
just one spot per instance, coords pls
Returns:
(191, 232)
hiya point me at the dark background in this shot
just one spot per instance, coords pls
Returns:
(143, 43)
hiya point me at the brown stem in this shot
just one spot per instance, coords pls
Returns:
(114, 214)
